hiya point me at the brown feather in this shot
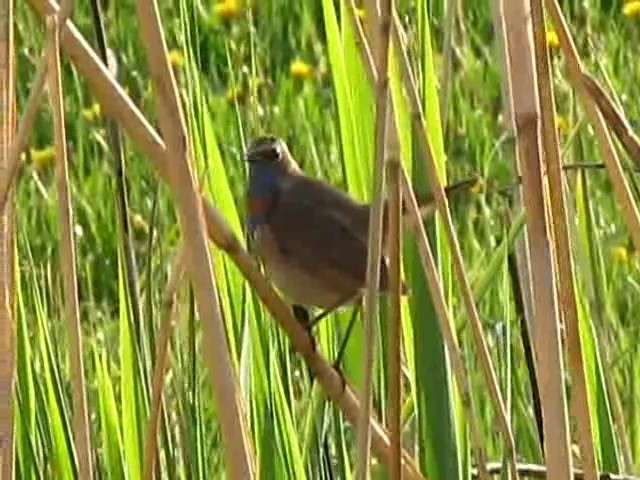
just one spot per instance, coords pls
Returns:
(322, 231)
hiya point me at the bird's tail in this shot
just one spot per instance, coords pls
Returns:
(427, 204)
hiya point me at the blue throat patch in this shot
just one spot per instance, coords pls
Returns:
(263, 184)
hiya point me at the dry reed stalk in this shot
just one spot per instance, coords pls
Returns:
(81, 436)
(521, 244)
(559, 218)
(231, 412)
(607, 151)
(616, 118)
(420, 124)
(19, 142)
(370, 310)
(29, 116)
(119, 107)
(112, 98)
(445, 320)
(170, 313)
(523, 93)
(7, 323)
(394, 346)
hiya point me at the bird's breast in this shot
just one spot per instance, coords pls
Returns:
(298, 285)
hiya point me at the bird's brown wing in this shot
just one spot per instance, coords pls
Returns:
(323, 231)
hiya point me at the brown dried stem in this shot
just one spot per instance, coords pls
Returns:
(411, 89)
(559, 216)
(607, 150)
(375, 238)
(7, 263)
(523, 96)
(235, 437)
(68, 259)
(394, 347)
(616, 119)
(445, 320)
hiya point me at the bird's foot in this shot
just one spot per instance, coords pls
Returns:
(304, 318)
(302, 315)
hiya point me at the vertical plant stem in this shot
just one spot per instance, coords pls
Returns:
(7, 320)
(162, 361)
(68, 260)
(375, 238)
(458, 262)
(394, 335)
(565, 286)
(524, 102)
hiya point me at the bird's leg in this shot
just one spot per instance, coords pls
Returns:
(342, 301)
(345, 339)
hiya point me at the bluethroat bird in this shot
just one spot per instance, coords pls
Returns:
(310, 236)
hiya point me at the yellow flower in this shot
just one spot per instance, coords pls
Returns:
(91, 113)
(300, 69)
(227, 9)
(552, 39)
(631, 9)
(561, 124)
(233, 94)
(620, 254)
(176, 59)
(138, 223)
(43, 157)
(359, 12)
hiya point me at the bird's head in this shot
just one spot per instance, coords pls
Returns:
(270, 152)
(269, 159)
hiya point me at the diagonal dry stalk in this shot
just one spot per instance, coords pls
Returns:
(235, 435)
(444, 318)
(68, 257)
(520, 77)
(616, 119)
(381, 52)
(410, 87)
(7, 297)
(117, 105)
(170, 313)
(559, 219)
(607, 151)
(19, 143)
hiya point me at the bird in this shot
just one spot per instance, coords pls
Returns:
(311, 237)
